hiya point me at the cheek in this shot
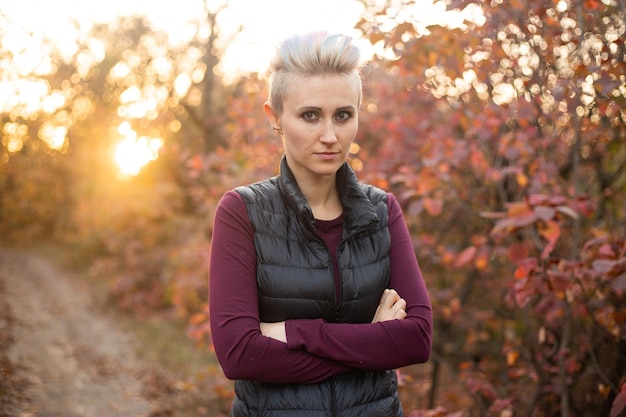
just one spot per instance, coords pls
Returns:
(350, 130)
(292, 141)
(298, 134)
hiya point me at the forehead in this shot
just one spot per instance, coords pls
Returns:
(322, 90)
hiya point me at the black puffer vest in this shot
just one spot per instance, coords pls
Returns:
(295, 280)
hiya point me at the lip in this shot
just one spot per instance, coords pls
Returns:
(327, 155)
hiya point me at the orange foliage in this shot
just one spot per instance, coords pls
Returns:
(505, 143)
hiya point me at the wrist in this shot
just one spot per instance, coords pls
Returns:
(275, 331)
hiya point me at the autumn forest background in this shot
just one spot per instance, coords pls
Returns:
(504, 140)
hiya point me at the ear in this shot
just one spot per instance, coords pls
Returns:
(271, 115)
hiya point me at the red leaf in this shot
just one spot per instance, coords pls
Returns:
(195, 165)
(544, 212)
(620, 402)
(525, 220)
(500, 405)
(560, 281)
(606, 251)
(551, 233)
(525, 267)
(591, 4)
(481, 261)
(595, 242)
(518, 251)
(536, 199)
(492, 215)
(517, 221)
(619, 284)
(466, 256)
(557, 200)
(433, 206)
(611, 267)
(567, 211)
(518, 209)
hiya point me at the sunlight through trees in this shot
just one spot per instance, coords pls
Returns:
(501, 126)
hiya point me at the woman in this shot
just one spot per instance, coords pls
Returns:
(315, 293)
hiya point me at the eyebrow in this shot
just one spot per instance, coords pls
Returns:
(309, 108)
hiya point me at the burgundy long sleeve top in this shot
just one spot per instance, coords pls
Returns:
(315, 349)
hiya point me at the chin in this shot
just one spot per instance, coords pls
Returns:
(328, 171)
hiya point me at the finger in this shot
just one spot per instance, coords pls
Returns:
(393, 294)
(400, 314)
(389, 298)
(383, 297)
(399, 309)
(397, 304)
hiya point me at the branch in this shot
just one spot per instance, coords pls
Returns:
(563, 349)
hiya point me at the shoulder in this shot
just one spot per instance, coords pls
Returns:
(392, 201)
(231, 217)
(230, 205)
(375, 194)
(396, 215)
(394, 206)
(230, 200)
(387, 199)
(253, 192)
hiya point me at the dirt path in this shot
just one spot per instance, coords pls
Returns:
(61, 357)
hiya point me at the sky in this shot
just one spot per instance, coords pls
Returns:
(264, 22)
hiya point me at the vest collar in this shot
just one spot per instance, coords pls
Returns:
(358, 211)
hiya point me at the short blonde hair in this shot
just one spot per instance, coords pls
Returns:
(315, 53)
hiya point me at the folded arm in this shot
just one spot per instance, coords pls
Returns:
(315, 350)
(386, 343)
(243, 352)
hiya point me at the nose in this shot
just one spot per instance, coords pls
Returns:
(328, 134)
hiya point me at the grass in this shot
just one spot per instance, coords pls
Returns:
(185, 379)
(161, 339)
(165, 342)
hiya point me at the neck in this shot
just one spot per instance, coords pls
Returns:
(323, 197)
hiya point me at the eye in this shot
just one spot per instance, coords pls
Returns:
(343, 116)
(310, 116)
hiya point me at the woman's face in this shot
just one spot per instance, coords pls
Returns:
(319, 123)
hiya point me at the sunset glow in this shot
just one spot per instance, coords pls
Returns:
(251, 30)
(132, 153)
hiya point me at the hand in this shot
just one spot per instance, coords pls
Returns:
(275, 331)
(391, 307)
